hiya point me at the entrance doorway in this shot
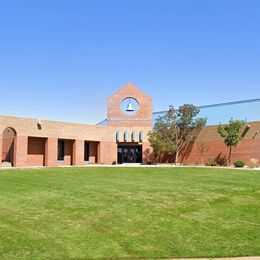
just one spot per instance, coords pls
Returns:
(36, 151)
(8, 147)
(129, 154)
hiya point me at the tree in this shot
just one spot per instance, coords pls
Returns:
(232, 134)
(175, 129)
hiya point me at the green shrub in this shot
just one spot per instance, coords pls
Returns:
(213, 163)
(239, 164)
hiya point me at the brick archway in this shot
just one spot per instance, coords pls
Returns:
(8, 146)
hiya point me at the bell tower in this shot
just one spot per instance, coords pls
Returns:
(128, 107)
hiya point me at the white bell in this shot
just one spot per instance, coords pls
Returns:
(129, 107)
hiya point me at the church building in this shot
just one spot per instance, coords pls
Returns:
(121, 138)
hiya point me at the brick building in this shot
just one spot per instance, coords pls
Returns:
(121, 138)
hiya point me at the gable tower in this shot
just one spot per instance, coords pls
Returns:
(129, 107)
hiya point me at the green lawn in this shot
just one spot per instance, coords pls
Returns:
(129, 213)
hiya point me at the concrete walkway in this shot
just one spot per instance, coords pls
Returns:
(130, 165)
(223, 258)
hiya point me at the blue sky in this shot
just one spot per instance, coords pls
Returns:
(61, 59)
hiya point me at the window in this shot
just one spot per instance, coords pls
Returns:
(61, 150)
(140, 136)
(125, 136)
(133, 136)
(117, 136)
(86, 152)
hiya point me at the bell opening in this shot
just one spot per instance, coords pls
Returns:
(129, 107)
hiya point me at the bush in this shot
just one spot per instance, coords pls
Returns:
(212, 163)
(221, 160)
(239, 164)
(254, 163)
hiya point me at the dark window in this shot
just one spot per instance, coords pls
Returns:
(86, 152)
(61, 150)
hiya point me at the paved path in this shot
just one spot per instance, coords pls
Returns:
(223, 258)
(129, 165)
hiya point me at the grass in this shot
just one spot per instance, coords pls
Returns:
(129, 213)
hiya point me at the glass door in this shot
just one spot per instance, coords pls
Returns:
(125, 154)
(129, 154)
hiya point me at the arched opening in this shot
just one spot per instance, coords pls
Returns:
(8, 146)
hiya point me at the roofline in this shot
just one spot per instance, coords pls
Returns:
(209, 106)
(102, 121)
(220, 104)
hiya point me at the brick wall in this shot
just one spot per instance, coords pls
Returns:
(214, 147)
(107, 152)
(218, 151)
(20, 154)
(51, 147)
(78, 152)
(36, 151)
